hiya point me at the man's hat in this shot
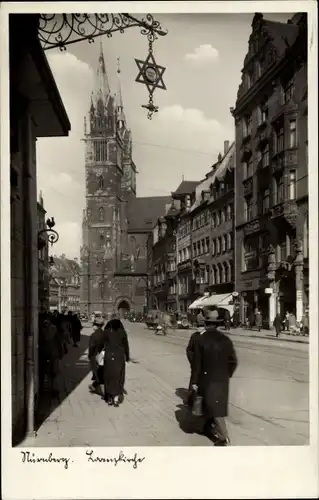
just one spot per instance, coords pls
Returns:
(212, 316)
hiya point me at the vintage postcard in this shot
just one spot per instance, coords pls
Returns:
(159, 256)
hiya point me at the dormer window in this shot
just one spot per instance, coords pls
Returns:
(248, 80)
(258, 70)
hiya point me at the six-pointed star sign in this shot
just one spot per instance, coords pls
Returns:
(150, 74)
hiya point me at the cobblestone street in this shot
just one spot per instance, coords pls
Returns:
(268, 402)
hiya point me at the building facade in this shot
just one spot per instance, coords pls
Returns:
(28, 121)
(213, 227)
(185, 194)
(64, 286)
(116, 224)
(271, 200)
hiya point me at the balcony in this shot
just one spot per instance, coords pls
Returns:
(287, 210)
(263, 138)
(171, 275)
(278, 163)
(252, 227)
(246, 153)
(183, 266)
(248, 187)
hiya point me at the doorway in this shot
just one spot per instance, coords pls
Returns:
(123, 308)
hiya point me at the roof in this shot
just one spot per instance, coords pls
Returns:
(185, 187)
(144, 212)
(222, 168)
(279, 32)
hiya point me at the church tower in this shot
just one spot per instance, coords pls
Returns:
(109, 179)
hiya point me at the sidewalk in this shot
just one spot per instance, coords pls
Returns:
(252, 334)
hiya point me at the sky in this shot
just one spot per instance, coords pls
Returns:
(203, 55)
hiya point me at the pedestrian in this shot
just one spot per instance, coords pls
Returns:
(116, 355)
(76, 329)
(251, 320)
(236, 318)
(214, 363)
(259, 320)
(227, 320)
(200, 321)
(286, 322)
(96, 347)
(305, 323)
(49, 352)
(277, 324)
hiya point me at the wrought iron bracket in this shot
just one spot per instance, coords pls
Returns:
(52, 235)
(60, 30)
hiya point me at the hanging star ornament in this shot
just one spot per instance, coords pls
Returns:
(151, 75)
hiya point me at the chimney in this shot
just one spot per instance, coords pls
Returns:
(226, 147)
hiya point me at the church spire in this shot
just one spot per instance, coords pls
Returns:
(119, 98)
(102, 83)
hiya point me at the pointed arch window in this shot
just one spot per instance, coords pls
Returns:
(101, 214)
(101, 182)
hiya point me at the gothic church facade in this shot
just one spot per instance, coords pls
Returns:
(116, 224)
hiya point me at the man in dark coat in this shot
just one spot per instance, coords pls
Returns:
(76, 328)
(214, 363)
(117, 353)
(227, 320)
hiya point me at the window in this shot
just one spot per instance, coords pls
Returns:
(288, 90)
(194, 249)
(213, 247)
(224, 243)
(101, 182)
(248, 81)
(227, 272)
(101, 240)
(229, 241)
(247, 126)
(218, 245)
(265, 156)
(278, 189)
(198, 248)
(292, 134)
(250, 253)
(203, 246)
(229, 212)
(207, 245)
(207, 274)
(248, 208)
(279, 140)
(258, 70)
(214, 219)
(101, 214)
(265, 201)
(262, 114)
(216, 276)
(179, 257)
(217, 218)
(292, 185)
(222, 216)
(221, 273)
(248, 168)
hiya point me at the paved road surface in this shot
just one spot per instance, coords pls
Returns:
(268, 396)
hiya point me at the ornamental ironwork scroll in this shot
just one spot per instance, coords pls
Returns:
(60, 30)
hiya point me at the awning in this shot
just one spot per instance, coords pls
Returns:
(219, 300)
(197, 303)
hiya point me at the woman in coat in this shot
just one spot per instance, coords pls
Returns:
(96, 345)
(116, 355)
(277, 324)
(214, 363)
(259, 321)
